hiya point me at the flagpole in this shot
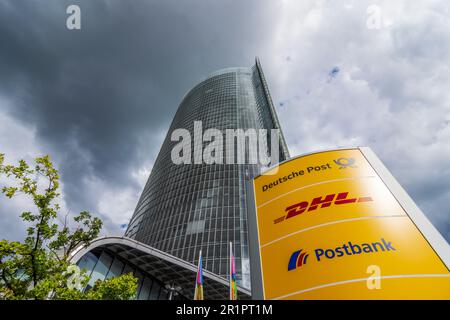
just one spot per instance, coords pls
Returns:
(231, 269)
(198, 270)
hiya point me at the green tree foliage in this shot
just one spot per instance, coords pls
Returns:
(39, 267)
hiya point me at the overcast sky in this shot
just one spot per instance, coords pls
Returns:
(341, 73)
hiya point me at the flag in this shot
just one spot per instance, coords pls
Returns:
(233, 285)
(198, 294)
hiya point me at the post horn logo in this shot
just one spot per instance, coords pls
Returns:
(345, 163)
(298, 259)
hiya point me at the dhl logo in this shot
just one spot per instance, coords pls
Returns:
(319, 202)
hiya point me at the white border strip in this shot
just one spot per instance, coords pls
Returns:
(331, 223)
(332, 284)
(259, 242)
(312, 185)
(429, 232)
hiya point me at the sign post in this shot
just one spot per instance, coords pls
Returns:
(337, 225)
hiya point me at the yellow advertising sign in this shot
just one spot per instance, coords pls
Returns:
(329, 228)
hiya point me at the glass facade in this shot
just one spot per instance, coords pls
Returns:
(101, 264)
(187, 207)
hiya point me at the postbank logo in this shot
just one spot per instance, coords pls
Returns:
(348, 249)
(320, 202)
(298, 259)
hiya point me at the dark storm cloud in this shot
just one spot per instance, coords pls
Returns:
(101, 97)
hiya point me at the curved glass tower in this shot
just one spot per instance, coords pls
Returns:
(188, 207)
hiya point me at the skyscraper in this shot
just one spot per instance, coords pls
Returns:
(187, 207)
